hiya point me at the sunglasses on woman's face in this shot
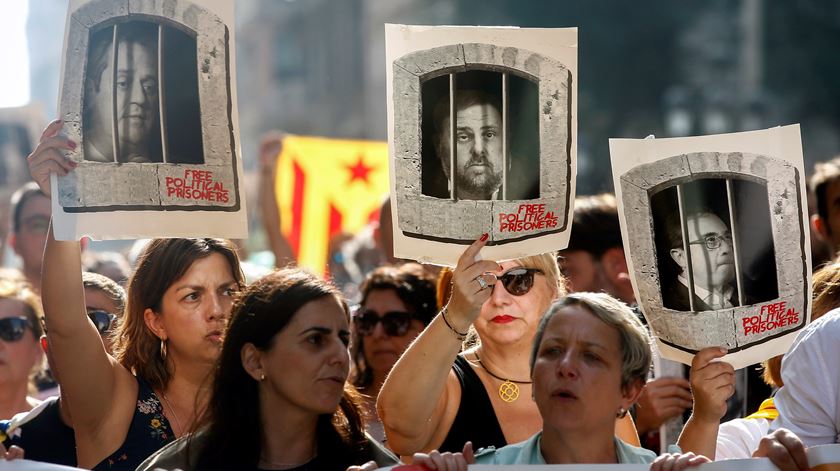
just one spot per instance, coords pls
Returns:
(103, 320)
(13, 328)
(518, 281)
(395, 323)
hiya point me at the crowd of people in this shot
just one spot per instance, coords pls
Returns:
(178, 362)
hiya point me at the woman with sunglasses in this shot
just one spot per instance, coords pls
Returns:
(280, 398)
(397, 303)
(20, 353)
(438, 398)
(167, 343)
(46, 432)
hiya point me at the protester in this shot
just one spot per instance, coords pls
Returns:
(280, 399)
(30, 218)
(589, 360)
(397, 303)
(46, 432)
(436, 398)
(125, 408)
(825, 184)
(20, 353)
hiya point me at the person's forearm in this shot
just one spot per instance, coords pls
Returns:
(413, 392)
(700, 437)
(62, 292)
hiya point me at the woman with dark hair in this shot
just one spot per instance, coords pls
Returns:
(397, 303)
(280, 399)
(126, 407)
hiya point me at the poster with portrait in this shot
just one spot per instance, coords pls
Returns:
(482, 126)
(716, 228)
(149, 95)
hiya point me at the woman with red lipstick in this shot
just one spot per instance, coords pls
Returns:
(280, 399)
(438, 397)
(397, 303)
(126, 406)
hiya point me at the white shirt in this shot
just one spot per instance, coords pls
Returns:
(739, 438)
(713, 300)
(809, 402)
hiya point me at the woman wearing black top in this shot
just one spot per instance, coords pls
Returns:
(280, 399)
(436, 398)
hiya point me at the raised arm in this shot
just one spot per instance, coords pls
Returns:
(421, 396)
(88, 374)
(712, 383)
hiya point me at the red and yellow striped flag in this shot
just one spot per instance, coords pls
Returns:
(326, 186)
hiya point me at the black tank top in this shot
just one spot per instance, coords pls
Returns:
(476, 420)
(149, 431)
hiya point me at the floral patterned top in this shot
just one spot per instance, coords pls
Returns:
(149, 431)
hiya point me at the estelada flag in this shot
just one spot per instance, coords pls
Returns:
(326, 186)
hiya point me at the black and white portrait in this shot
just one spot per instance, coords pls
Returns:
(482, 126)
(148, 93)
(141, 97)
(705, 264)
(717, 241)
(495, 141)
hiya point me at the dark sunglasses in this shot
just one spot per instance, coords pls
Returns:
(13, 328)
(395, 323)
(102, 320)
(518, 281)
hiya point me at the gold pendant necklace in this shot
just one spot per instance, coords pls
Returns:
(509, 389)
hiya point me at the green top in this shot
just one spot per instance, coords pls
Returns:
(528, 452)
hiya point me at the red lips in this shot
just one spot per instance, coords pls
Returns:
(503, 319)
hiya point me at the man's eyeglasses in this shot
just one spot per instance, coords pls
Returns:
(395, 323)
(13, 328)
(102, 320)
(713, 241)
(518, 281)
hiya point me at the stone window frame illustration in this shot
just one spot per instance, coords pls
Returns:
(691, 331)
(110, 186)
(459, 221)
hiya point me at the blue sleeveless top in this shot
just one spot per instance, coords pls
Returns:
(149, 431)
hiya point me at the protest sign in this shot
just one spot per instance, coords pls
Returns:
(482, 134)
(149, 95)
(716, 232)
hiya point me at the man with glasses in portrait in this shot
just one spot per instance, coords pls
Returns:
(712, 263)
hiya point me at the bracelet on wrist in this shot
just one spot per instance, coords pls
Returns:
(461, 336)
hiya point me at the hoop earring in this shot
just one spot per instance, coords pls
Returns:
(163, 351)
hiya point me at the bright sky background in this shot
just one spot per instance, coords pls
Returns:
(14, 71)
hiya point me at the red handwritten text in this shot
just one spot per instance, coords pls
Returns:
(772, 316)
(528, 217)
(196, 185)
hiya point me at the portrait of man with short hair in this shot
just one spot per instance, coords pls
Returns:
(126, 102)
(482, 168)
(712, 263)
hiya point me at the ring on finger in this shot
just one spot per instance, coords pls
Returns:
(481, 283)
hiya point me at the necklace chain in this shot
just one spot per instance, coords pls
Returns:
(495, 375)
(172, 409)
